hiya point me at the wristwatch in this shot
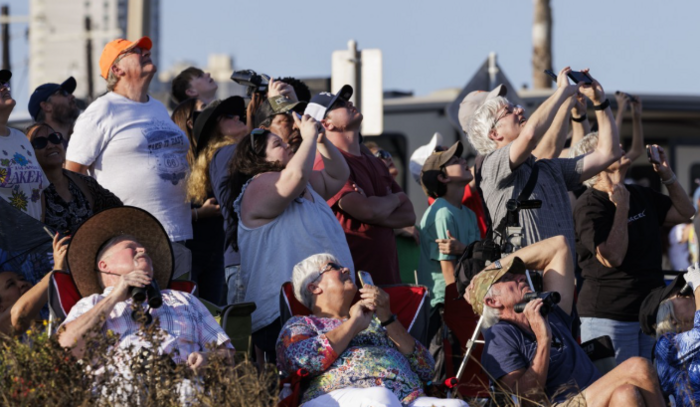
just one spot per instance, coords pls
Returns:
(391, 319)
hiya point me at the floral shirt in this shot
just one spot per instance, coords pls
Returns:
(371, 359)
(21, 178)
(677, 359)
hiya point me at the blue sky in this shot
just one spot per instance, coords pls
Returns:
(638, 46)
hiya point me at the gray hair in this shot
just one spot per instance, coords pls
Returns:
(307, 271)
(480, 125)
(666, 319)
(586, 146)
(109, 243)
(491, 315)
(112, 79)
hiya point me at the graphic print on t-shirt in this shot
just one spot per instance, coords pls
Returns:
(16, 173)
(164, 155)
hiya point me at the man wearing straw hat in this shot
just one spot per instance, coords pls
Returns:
(122, 248)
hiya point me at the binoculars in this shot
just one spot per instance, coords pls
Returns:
(549, 298)
(151, 293)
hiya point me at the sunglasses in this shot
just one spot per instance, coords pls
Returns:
(62, 92)
(257, 134)
(40, 142)
(384, 155)
(328, 267)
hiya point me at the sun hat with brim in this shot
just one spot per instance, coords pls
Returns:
(473, 101)
(5, 75)
(650, 305)
(113, 49)
(432, 168)
(276, 105)
(321, 104)
(96, 231)
(206, 119)
(483, 281)
(43, 92)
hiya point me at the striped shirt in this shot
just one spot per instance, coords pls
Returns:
(556, 176)
(186, 323)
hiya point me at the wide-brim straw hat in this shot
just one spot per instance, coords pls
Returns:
(96, 231)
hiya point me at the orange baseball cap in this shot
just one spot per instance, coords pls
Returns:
(117, 47)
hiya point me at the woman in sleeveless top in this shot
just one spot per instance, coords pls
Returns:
(71, 198)
(282, 217)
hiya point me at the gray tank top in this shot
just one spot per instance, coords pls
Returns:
(270, 252)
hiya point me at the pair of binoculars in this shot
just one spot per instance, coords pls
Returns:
(549, 299)
(150, 292)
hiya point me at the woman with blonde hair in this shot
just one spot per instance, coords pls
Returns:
(215, 132)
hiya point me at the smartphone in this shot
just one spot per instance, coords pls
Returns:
(552, 74)
(653, 154)
(579, 77)
(365, 278)
(49, 232)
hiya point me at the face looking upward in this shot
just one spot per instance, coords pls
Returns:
(507, 125)
(231, 126)
(61, 107)
(510, 290)
(277, 150)
(202, 86)
(344, 116)
(456, 170)
(123, 257)
(136, 63)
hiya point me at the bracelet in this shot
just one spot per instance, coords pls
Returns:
(670, 181)
(579, 119)
(196, 216)
(603, 105)
(391, 319)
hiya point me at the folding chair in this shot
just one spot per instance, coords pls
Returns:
(234, 319)
(409, 302)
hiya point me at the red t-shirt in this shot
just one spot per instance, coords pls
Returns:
(472, 200)
(373, 248)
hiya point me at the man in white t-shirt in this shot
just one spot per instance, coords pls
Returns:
(126, 140)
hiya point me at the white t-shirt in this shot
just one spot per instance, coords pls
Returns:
(21, 178)
(137, 152)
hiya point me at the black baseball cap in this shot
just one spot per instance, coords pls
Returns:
(320, 104)
(42, 93)
(206, 120)
(650, 305)
(5, 75)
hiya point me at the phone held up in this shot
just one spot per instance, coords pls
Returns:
(575, 76)
(653, 154)
(365, 278)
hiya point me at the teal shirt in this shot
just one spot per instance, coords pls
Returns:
(440, 217)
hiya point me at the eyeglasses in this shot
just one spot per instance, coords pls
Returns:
(40, 142)
(328, 267)
(508, 110)
(257, 134)
(383, 154)
(135, 50)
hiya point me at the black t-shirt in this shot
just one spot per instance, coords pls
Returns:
(617, 293)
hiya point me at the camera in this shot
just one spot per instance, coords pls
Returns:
(150, 292)
(549, 298)
(255, 83)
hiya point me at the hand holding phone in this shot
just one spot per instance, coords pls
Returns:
(580, 77)
(365, 278)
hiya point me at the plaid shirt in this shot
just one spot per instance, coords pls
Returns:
(186, 323)
(556, 176)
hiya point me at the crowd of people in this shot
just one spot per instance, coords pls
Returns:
(242, 196)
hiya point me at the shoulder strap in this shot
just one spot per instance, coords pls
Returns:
(530, 185)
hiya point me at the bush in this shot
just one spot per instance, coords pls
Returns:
(36, 370)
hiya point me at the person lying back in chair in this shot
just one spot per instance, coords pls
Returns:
(356, 355)
(110, 254)
(536, 356)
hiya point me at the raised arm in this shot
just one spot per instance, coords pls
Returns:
(611, 253)
(335, 172)
(623, 102)
(682, 209)
(580, 126)
(554, 138)
(608, 148)
(637, 147)
(540, 121)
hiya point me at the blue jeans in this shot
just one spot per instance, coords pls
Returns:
(236, 288)
(627, 337)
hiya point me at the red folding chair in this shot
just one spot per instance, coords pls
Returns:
(63, 295)
(409, 302)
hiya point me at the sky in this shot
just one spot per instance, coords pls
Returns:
(641, 46)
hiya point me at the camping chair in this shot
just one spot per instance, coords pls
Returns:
(409, 302)
(234, 319)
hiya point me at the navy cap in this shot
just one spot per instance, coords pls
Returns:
(42, 93)
(320, 104)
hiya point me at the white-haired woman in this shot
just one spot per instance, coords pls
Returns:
(356, 355)
(619, 249)
(677, 352)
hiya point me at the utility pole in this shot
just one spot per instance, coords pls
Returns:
(356, 60)
(541, 44)
(88, 58)
(5, 12)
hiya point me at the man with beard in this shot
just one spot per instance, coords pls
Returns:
(55, 105)
(371, 204)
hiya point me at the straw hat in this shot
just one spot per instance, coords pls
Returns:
(126, 220)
